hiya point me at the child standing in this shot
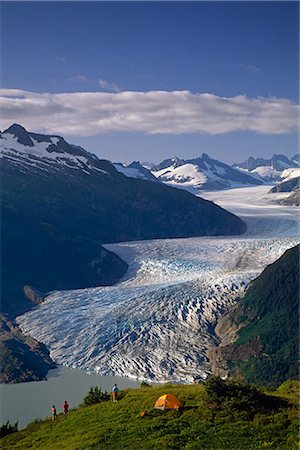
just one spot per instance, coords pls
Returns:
(53, 411)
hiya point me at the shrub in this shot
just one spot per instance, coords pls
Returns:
(95, 395)
(233, 396)
(144, 384)
(8, 429)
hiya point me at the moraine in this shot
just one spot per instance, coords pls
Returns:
(158, 321)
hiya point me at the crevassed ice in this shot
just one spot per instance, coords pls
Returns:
(157, 323)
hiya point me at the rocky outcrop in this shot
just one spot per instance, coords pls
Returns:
(21, 357)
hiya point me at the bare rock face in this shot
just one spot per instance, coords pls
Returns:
(22, 357)
(35, 296)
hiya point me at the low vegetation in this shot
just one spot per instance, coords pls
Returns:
(8, 428)
(94, 396)
(219, 414)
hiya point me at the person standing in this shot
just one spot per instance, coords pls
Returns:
(53, 411)
(65, 407)
(115, 391)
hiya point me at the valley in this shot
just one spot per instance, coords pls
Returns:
(158, 321)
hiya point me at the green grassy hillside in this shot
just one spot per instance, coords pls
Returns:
(220, 415)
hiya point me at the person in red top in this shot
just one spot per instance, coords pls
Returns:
(65, 407)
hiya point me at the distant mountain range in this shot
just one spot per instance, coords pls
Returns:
(59, 203)
(204, 173)
(270, 170)
(277, 162)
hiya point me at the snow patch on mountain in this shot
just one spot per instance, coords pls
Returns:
(135, 170)
(188, 174)
(289, 174)
(267, 173)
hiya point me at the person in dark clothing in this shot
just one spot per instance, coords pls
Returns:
(65, 407)
(115, 391)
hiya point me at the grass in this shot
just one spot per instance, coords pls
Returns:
(196, 426)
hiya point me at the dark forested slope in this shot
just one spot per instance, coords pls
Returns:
(266, 348)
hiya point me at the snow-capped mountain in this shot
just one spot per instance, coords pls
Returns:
(270, 170)
(287, 192)
(135, 170)
(170, 162)
(37, 152)
(203, 173)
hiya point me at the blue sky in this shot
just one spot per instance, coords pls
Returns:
(237, 51)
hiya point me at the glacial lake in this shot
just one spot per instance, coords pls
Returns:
(24, 402)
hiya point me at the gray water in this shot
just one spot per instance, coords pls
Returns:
(24, 402)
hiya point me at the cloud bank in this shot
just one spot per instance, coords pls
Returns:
(153, 112)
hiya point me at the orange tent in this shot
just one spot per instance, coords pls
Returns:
(167, 401)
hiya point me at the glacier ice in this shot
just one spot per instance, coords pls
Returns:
(158, 321)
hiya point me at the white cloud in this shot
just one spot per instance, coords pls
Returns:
(100, 83)
(153, 112)
(79, 78)
(103, 84)
(58, 59)
(250, 68)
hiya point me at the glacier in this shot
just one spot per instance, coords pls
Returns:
(158, 321)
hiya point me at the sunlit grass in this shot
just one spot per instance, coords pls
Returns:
(196, 426)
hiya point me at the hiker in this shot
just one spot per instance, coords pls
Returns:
(53, 410)
(65, 407)
(115, 391)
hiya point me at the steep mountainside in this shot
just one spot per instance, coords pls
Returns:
(296, 159)
(22, 358)
(203, 173)
(136, 170)
(288, 191)
(287, 185)
(264, 327)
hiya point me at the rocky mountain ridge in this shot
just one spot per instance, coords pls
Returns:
(270, 170)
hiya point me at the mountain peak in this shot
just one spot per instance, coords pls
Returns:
(174, 162)
(280, 157)
(21, 134)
